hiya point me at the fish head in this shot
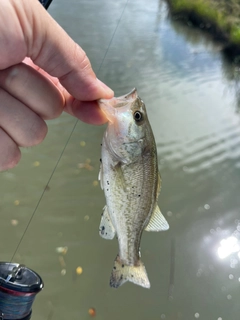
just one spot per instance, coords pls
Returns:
(128, 125)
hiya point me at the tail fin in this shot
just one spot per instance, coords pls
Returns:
(122, 273)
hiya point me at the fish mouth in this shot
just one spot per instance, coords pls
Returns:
(132, 95)
(109, 106)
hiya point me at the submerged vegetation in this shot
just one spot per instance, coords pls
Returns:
(220, 17)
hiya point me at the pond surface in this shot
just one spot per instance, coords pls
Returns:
(192, 95)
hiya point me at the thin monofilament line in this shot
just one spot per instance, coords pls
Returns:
(46, 187)
(111, 40)
(66, 144)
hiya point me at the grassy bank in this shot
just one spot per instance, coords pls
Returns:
(220, 17)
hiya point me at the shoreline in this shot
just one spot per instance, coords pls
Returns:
(213, 17)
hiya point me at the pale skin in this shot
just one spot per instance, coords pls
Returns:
(43, 72)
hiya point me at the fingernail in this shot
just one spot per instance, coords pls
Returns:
(108, 91)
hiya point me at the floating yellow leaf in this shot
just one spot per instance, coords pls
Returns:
(16, 202)
(82, 143)
(85, 165)
(79, 270)
(36, 164)
(14, 222)
(92, 312)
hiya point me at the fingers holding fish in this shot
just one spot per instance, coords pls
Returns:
(45, 95)
(33, 89)
(28, 97)
(19, 122)
(86, 111)
(55, 98)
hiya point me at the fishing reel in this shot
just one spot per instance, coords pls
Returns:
(19, 286)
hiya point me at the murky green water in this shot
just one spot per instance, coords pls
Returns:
(192, 96)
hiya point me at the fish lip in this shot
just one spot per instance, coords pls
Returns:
(132, 95)
(107, 108)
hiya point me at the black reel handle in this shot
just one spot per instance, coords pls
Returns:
(45, 3)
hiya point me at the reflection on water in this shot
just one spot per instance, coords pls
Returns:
(192, 95)
(227, 247)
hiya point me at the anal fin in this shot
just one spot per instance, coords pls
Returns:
(106, 228)
(157, 221)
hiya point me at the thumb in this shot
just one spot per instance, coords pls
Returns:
(49, 47)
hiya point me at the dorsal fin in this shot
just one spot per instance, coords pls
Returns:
(157, 221)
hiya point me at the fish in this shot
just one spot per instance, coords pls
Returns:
(131, 182)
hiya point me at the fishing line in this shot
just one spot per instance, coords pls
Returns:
(66, 144)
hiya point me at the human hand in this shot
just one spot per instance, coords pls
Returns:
(42, 72)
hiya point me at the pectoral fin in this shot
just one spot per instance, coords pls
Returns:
(119, 176)
(100, 176)
(157, 221)
(106, 228)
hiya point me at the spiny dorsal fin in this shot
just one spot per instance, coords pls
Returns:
(157, 221)
(106, 228)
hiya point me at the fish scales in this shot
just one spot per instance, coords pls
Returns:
(123, 201)
(131, 183)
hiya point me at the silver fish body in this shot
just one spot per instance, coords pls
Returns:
(131, 183)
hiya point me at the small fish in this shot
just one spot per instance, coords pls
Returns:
(131, 183)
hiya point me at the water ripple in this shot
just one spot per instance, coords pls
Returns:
(203, 151)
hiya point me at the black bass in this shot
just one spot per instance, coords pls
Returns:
(131, 183)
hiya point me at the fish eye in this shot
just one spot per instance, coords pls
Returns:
(137, 116)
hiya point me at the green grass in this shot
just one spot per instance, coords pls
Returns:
(222, 14)
(235, 34)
